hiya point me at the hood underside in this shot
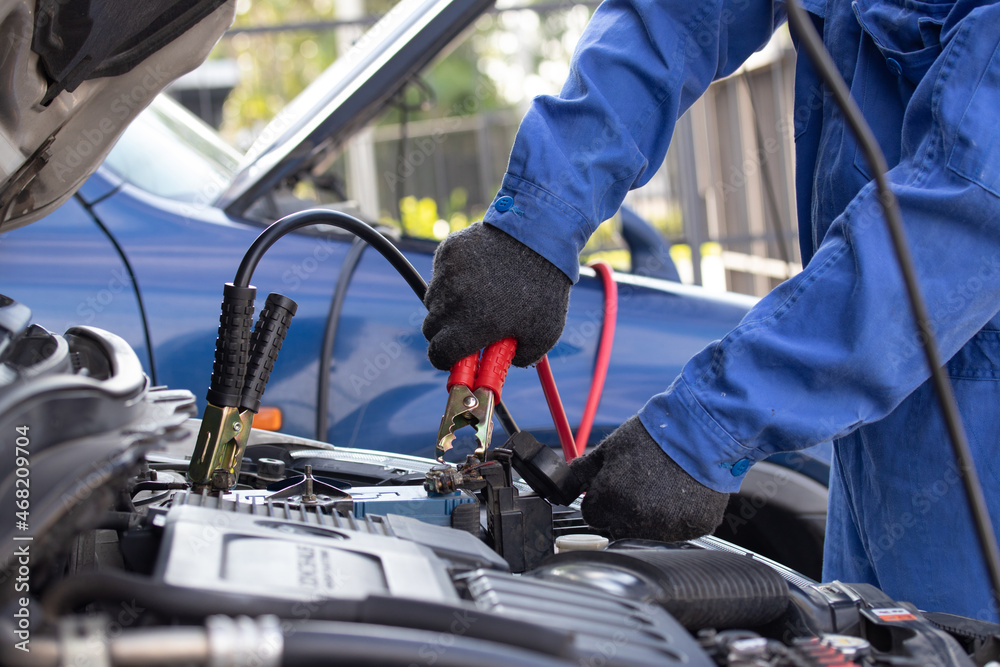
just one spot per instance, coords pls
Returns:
(76, 72)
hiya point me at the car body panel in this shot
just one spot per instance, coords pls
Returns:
(92, 285)
(383, 391)
(178, 248)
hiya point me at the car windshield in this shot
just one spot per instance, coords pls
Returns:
(169, 152)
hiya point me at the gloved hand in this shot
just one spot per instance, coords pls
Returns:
(635, 490)
(486, 286)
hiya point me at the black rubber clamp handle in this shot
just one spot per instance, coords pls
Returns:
(545, 470)
(265, 343)
(232, 347)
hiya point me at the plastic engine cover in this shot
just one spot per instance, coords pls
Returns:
(401, 572)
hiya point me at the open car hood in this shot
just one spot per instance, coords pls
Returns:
(75, 73)
(349, 93)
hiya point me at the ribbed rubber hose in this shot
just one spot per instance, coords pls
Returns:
(715, 589)
(700, 588)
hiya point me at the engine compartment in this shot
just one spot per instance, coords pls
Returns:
(327, 555)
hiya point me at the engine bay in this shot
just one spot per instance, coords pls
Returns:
(326, 555)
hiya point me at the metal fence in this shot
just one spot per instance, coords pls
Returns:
(724, 196)
(730, 173)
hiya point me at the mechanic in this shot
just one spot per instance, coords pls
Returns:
(831, 354)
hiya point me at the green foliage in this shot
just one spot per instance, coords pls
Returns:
(457, 88)
(607, 244)
(507, 59)
(421, 218)
(274, 67)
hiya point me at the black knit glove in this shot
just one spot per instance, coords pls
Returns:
(635, 490)
(486, 286)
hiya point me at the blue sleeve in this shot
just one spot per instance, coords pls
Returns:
(639, 65)
(836, 346)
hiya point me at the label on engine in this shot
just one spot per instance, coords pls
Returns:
(894, 614)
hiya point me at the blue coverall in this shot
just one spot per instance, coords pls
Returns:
(831, 354)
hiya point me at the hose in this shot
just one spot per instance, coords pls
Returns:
(330, 334)
(296, 221)
(399, 614)
(574, 447)
(603, 354)
(306, 643)
(352, 646)
(551, 392)
(700, 588)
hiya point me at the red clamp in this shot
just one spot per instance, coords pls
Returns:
(474, 387)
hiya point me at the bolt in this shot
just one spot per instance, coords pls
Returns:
(470, 402)
(309, 496)
(237, 427)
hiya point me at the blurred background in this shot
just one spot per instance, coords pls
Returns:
(432, 162)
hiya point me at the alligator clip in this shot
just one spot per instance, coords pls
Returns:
(244, 360)
(474, 387)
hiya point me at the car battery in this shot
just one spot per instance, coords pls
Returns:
(411, 501)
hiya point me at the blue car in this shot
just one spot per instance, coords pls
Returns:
(145, 245)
